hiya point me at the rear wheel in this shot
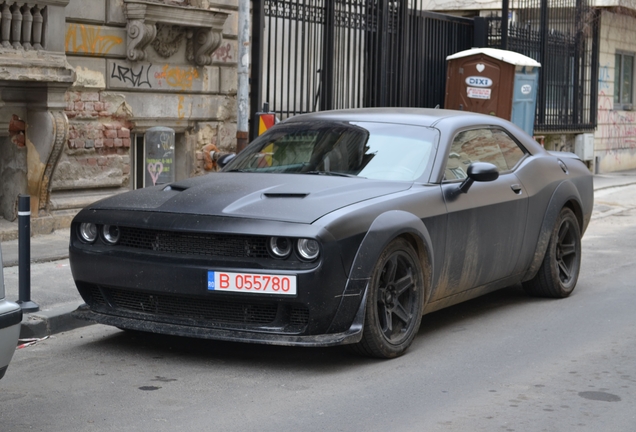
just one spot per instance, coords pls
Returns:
(559, 271)
(394, 302)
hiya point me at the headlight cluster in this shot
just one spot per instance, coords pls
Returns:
(89, 232)
(281, 247)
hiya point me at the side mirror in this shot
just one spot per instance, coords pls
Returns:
(224, 159)
(481, 172)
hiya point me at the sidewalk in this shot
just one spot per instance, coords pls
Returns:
(53, 289)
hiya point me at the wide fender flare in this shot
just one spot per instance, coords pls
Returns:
(564, 193)
(382, 231)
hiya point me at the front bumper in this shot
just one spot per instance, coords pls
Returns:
(140, 323)
(160, 283)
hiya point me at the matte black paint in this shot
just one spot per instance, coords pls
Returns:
(469, 244)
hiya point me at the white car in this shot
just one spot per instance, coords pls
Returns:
(10, 319)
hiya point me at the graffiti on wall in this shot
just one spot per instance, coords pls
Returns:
(176, 77)
(223, 53)
(616, 129)
(87, 39)
(128, 75)
(605, 79)
(168, 77)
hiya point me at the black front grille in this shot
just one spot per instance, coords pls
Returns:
(203, 311)
(178, 243)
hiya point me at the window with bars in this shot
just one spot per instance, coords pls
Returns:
(623, 80)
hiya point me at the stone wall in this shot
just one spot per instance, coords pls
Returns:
(115, 99)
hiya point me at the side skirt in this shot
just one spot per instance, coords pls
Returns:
(470, 294)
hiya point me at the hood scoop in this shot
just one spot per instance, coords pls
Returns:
(284, 195)
(174, 187)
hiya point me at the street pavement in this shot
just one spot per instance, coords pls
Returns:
(53, 289)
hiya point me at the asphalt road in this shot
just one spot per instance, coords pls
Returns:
(503, 362)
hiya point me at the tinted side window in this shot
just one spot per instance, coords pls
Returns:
(481, 145)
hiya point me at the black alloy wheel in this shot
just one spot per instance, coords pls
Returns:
(394, 302)
(559, 271)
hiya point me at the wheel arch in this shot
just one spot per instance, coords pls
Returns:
(384, 229)
(565, 195)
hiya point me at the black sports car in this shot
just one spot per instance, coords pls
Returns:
(338, 227)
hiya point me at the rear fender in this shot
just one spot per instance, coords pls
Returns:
(564, 193)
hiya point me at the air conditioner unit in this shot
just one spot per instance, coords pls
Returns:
(584, 146)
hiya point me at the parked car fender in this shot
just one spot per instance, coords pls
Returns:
(565, 193)
(383, 229)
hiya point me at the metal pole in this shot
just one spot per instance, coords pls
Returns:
(24, 255)
(243, 93)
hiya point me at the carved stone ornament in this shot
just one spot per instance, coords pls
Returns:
(168, 40)
(60, 136)
(146, 17)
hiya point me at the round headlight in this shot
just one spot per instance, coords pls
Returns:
(111, 233)
(88, 232)
(280, 247)
(308, 249)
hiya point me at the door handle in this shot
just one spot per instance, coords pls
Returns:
(516, 188)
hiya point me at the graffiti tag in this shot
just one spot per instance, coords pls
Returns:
(155, 170)
(616, 129)
(128, 74)
(223, 53)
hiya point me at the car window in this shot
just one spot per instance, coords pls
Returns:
(371, 150)
(481, 145)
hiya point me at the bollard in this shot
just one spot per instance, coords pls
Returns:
(24, 255)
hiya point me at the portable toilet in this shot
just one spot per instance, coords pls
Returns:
(496, 82)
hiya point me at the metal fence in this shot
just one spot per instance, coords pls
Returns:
(311, 55)
(563, 36)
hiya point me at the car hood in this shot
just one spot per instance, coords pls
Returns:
(282, 197)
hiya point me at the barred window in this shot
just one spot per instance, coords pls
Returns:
(623, 80)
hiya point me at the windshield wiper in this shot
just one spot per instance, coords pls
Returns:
(330, 173)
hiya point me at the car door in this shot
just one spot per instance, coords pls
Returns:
(485, 225)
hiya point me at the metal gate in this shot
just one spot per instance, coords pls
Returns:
(563, 36)
(311, 55)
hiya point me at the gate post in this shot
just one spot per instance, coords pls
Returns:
(326, 73)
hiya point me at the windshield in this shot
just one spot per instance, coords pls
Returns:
(372, 150)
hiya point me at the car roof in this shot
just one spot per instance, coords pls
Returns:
(414, 116)
(444, 120)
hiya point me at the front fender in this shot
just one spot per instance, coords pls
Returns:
(385, 228)
(564, 193)
(382, 231)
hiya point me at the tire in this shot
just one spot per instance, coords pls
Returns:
(559, 271)
(394, 303)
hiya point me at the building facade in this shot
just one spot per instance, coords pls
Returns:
(84, 85)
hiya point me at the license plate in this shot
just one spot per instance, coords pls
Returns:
(252, 283)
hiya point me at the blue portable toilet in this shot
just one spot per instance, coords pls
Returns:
(496, 82)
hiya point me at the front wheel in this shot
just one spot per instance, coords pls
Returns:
(559, 271)
(394, 302)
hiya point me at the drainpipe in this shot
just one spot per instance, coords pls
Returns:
(243, 94)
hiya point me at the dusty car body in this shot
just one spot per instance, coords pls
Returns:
(338, 227)
(10, 319)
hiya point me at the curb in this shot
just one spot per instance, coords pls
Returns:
(614, 186)
(50, 322)
(37, 260)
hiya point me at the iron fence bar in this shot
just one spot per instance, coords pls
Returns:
(326, 75)
(541, 97)
(505, 9)
(256, 73)
(596, 35)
